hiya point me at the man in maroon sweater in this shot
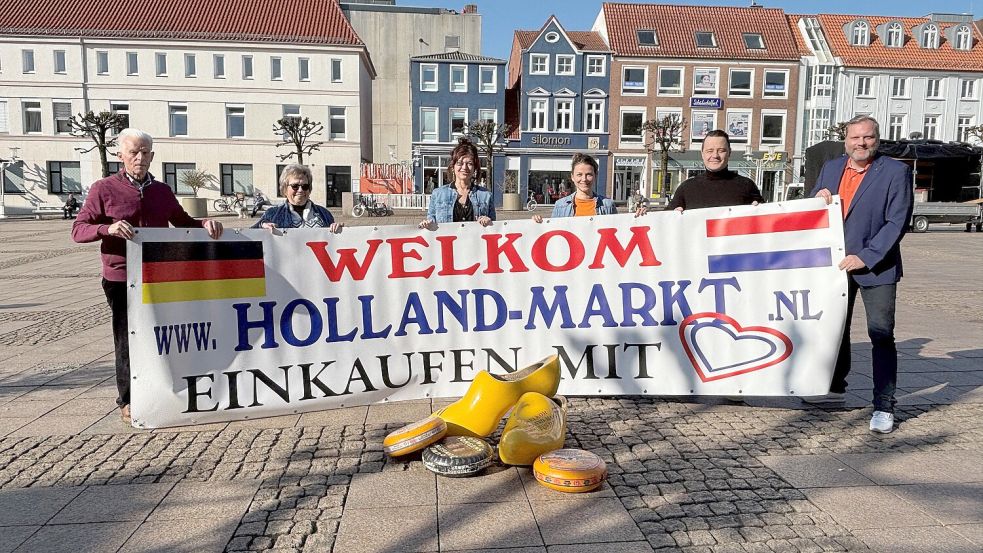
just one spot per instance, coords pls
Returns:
(114, 207)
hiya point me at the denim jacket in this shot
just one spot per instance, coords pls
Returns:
(564, 206)
(442, 200)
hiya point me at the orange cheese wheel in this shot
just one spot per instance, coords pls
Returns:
(570, 470)
(414, 437)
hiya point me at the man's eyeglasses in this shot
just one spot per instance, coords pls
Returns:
(296, 187)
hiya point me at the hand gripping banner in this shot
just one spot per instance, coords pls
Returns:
(725, 301)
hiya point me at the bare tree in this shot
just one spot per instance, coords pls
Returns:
(297, 133)
(101, 128)
(837, 131)
(490, 138)
(976, 131)
(197, 179)
(661, 134)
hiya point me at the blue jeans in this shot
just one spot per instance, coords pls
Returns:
(879, 302)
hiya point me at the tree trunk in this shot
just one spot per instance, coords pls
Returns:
(664, 158)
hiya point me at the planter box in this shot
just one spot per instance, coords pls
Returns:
(511, 202)
(196, 207)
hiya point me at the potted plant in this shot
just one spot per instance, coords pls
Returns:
(196, 179)
(510, 199)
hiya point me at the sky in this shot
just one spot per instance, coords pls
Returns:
(501, 17)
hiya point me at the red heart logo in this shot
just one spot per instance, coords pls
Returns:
(719, 347)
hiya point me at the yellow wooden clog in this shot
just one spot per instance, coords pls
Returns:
(537, 425)
(491, 396)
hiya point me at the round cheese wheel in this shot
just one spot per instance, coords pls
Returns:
(458, 456)
(570, 470)
(415, 436)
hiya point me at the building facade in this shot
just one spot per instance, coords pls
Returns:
(448, 92)
(735, 69)
(559, 91)
(206, 87)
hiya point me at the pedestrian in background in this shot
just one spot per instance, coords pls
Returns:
(71, 206)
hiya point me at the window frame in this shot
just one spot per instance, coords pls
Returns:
(930, 37)
(59, 57)
(190, 65)
(761, 41)
(32, 105)
(160, 64)
(304, 69)
(57, 167)
(452, 115)
(655, 38)
(482, 112)
(764, 84)
(65, 119)
(463, 88)
(565, 58)
(963, 38)
(599, 112)
(174, 110)
(568, 112)
(904, 88)
(334, 117)
(337, 70)
(869, 92)
(730, 82)
(121, 108)
(934, 135)
(590, 71)
(248, 69)
(663, 91)
(635, 91)
(28, 63)
(218, 62)
(537, 59)
(860, 34)
(716, 82)
(763, 140)
(630, 140)
(937, 93)
(102, 62)
(276, 68)
(961, 128)
(894, 33)
(424, 83)
(227, 173)
(969, 84)
(533, 113)
(436, 124)
(229, 115)
(896, 121)
(484, 70)
(711, 34)
(132, 64)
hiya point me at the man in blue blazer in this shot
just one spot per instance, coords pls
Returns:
(876, 199)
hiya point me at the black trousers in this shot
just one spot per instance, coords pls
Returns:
(116, 298)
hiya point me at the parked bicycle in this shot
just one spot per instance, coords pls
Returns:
(637, 200)
(234, 204)
(374, 209)
(531, 204)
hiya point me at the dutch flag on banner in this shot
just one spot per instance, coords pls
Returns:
(769, 224)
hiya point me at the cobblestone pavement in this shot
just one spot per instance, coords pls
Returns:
(686, 474)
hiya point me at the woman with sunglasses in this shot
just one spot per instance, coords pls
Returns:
(298, 211)
(464, 200)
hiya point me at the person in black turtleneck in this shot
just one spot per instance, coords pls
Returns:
(719, 186)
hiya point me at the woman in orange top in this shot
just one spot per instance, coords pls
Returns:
(585, 202)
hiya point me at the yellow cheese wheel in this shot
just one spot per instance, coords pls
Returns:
(570, 470)
(415, 436)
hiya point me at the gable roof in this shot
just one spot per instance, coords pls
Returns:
(585, 41)
(675, 27)
(290, 21)
(909, 56)
(457, 56)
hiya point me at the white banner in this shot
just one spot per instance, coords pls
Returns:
(742, 300)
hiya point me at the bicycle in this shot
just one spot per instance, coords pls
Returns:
(234, 204)
(376, 208)
(531, 204)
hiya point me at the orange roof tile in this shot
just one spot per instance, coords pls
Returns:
(675, 27)
(296, 21)
(909, 56)
(800, 41)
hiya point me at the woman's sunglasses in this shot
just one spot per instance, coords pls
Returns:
(297, 187)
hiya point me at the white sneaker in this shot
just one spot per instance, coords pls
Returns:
(832, 398)
(882, 422)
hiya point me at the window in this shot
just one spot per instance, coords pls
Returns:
(776, 84)
(236, 178)
(174, 177)
(930, 36)
(114, 167)
(564, 64)
(235, 120)
(490, 115)
(967, 89)
(705, 39)
(738, 125)
(27, 61)
(428, 77)
(335, 70)
(303, 69)
(291, 110)
(102, 63)
(594, 114)
(633, 80)
(32, 117)
(646, 38)
(60, 62)
(459, 78)
(132, 64)
(595, 66)
(895, 127)
(190, 66)
(537, 114)
(564, 115)
(428, 124)
(705, 81)
(247, 67)
(931, 128)
(539, 64)
(488, 80)
(863, 86)
(772, 128)
(899, 87)
(122, 110)
(459, 121)
(895, 35)
(702, 122)
(631, 126)
(754, 41)
(13, 179)
(336, 123)
(740, 82)
(963, 124)
(818, 122)
(670, 81)
(62, 112)
(552, 37)
(861, 34)
(64, 177)
(452, 42)
(276, 68)
(218, 63)
(434, 168)
(178, 119)
(964, 38)
(822, 81)
(160, 59)
(4, 118)
(933, 88)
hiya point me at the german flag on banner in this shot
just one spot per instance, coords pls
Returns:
(195, 271)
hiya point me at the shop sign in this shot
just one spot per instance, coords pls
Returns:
(714, 103)
(546, 140)
(629, 162)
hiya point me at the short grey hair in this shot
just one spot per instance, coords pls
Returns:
(294, 170)
(857, 119)
(135, 134)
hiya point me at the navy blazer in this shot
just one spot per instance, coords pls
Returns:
(878, 216)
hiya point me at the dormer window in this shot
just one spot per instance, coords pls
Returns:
(964, 38)
(930, 36)
(895, 35)
(754, 41)
(861, 33)
(705, 40)
(647, 38)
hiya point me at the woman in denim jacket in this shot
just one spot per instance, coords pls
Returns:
(464, 200)
(584, 202)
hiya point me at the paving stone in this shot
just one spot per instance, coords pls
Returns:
(216, 500)
(13, 536)
(33, 506)
(814, 471)
(495, 485)
(864, 507)
(948, 503)
(72, 538)
(935, 539)
(972, 532)
(195, 535)
(113, 503)
(475, 525)
(563, 521)
(389, 529)
(392, 489)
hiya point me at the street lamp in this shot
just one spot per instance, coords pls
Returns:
(4, 163)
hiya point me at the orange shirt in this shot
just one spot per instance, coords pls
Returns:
(582, 208)
(849, 184)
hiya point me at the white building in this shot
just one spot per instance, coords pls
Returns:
(207, 79)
